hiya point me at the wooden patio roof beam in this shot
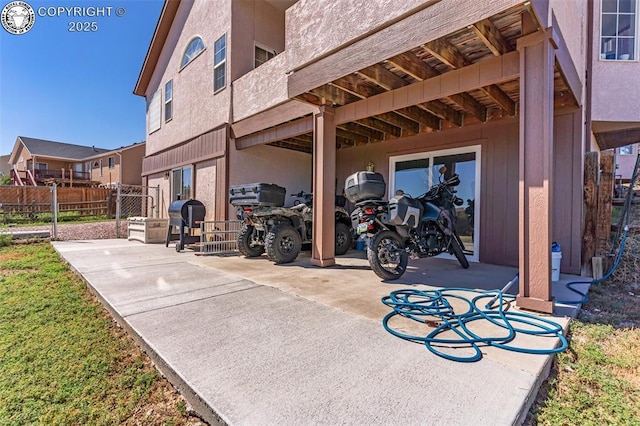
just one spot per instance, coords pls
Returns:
(283, 131)
(373, 135)
(408, 126)
(496, 70)
(352, 135)
(411, 64)
(451, 56)
(491, 36)
(389, 130)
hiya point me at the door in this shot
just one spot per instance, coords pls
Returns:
(416, 173)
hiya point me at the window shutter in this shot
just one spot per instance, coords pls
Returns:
(153, 113)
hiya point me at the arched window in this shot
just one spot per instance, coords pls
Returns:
(196, 45)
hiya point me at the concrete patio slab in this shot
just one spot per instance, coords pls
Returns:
(250, 342)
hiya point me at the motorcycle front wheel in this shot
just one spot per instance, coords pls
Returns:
(456, 250)
(387, 256)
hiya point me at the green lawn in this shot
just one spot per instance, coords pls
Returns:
(62, 359)
(597, 380)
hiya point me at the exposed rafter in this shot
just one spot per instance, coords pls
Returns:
(389, 129)
(491, 37)
(451, 56)
(411, 64)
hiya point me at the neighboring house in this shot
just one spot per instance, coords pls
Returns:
(121, 165)
(5, 168)
(301, 94)
(40, 162)
(625, 162)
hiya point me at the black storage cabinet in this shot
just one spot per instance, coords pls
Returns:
(185, 215)
(364, 186)
(257, 194)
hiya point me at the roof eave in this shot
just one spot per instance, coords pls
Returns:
(160, 35)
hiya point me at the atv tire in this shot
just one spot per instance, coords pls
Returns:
(283, 244)
(343, 238)
(244, 243)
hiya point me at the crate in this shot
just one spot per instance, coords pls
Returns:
(364, 186)
(257, 194)
(147, 230)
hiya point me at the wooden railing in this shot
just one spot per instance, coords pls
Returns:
(39, 176)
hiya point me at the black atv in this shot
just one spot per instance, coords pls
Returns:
(281, 231)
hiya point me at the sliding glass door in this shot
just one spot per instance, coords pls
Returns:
(416, 173)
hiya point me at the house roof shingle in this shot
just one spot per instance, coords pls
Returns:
(59, 149)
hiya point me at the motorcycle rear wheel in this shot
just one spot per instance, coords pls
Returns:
(386, 255)
(244, 243)
(457, 251)
(283, 244)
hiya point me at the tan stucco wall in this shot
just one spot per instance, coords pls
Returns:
(316, 27)
(261, 89)
(21, 152)
(196, 109)
(287, 168)
(626, 163)
(616, 84)
(205, 186)
(132, 168)
(254, 21)
(571, 16)
(159, 180)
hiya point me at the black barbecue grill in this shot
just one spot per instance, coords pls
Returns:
(185, 215)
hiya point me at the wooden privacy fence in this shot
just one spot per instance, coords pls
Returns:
(28, 202)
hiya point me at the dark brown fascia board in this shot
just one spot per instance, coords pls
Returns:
(160, 35)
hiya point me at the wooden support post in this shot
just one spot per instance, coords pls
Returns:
(605, 198)
(537, 59)
(590, 211)
(324, 190)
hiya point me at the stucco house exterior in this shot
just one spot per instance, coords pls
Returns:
(509, 94)
(38, 161)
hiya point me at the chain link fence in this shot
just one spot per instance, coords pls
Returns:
(135, 201)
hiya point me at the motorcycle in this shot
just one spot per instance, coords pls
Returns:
(417, 228)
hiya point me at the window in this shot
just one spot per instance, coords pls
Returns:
(153, 113)
(416, 173)
(219, 62)
(194, 48)
(168, 101)
(181, 184)
(626, 150)
(262, 55)
(112, 162)
(41, 166)
(618, 29)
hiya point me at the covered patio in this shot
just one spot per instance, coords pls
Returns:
(454, 82)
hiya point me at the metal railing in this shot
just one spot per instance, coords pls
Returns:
(219, 236)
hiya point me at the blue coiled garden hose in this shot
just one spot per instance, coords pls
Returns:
(433, 307)
(584, 298)
(420, 305)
